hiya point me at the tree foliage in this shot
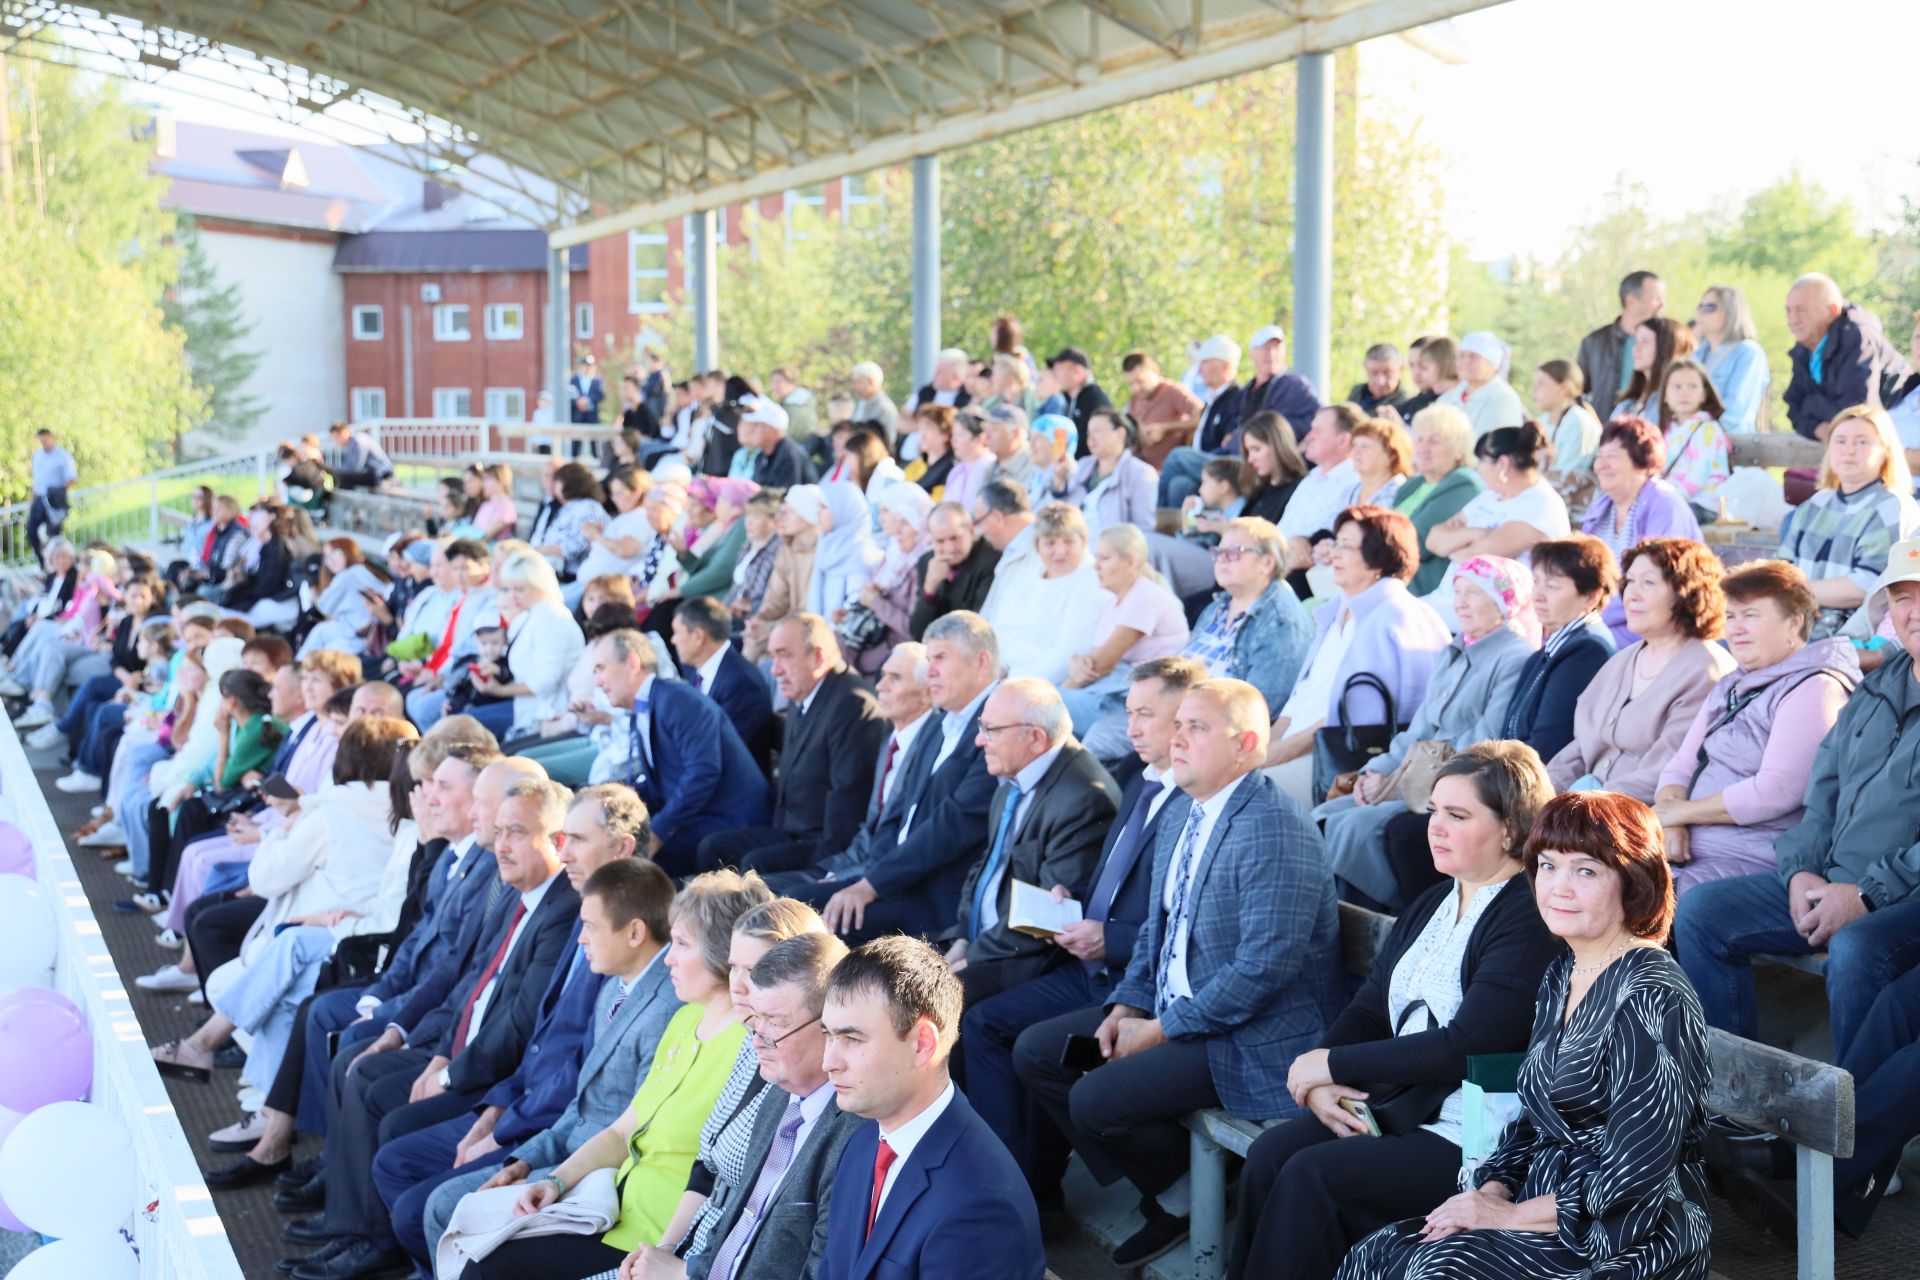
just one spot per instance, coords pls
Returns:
(84, 262)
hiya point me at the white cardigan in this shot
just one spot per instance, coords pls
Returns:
(546, 643)
(334, 855)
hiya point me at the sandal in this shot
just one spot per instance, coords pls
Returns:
(171, 1065)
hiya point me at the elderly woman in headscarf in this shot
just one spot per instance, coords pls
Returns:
(886, 603)
(1466, 702)
(847, 555)
(710, 558)
(799, 525)
(1484, 394)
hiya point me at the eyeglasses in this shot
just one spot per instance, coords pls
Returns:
(1708, 307)
(1231, 554)
(776, 1041)
(996, 728)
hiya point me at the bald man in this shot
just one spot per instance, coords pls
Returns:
(1841, 357)
(1236, 973)
(377, 698)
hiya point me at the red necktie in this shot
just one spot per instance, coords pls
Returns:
(493, 966)
(886, 768)
(882, 1161)
(444, 650)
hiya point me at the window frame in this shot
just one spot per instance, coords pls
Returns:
(354, 395)
(443, 313)
(379, 314)
(494, 319)
(453, 391)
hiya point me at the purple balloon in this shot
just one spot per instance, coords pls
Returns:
(16, 851)
(46, 1050)
(8, 1222)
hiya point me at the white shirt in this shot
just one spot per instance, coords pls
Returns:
(903, 740)
(1429, 971)
(601, 560)
(952, 725)
(709, 671)
(1155, 776)
(1318, 499)
(531, 901)
(1537, 505)
(1027, 779)
(461, 847)
(1022, 552)
(904, 1139)
(1313, 692)
(1174, 980)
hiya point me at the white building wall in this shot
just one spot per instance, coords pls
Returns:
(295, 302)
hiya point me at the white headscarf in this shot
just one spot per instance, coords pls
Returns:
(1490, 348)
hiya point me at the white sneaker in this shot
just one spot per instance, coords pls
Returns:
(77, 781)
(124, 867)
(11, 688)
(36, 715)
(96, 811)
(46, 737)
(106, 837)
(168, 978)
(196, 997)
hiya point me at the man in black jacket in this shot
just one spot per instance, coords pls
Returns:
(782, 463)
(957, 573)
(833, 734)
(702, 640)
(1383, 386)
(1073, 370)
(1841, 357)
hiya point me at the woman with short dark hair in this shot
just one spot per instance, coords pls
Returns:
(1739, 776)
(1602, 1173)
(1630, 721)
(1634, 502)
(1457, 976)
(1572, 579)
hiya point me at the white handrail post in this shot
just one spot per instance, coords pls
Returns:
(153, 509)
(260, 474)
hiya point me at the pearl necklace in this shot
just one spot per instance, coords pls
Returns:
(1613, 953)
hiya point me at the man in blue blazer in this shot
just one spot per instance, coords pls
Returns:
(703, 642)
(681, 754)
(933, 828)
(1091, 956)
(1236, 973)
(925, 1192)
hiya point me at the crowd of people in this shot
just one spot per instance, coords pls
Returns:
(777, 851)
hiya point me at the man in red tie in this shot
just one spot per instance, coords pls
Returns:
(927, 1187)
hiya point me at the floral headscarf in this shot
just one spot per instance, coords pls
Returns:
(1509, 584)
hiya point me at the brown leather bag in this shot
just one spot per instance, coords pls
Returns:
(1412, 783)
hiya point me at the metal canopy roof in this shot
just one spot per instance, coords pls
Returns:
(655, 108)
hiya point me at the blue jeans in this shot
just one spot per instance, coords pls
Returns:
(331, 1010)
(1885, 1061)
(1180, 477)
(79, 713)
(94, 753)
(1723, 924)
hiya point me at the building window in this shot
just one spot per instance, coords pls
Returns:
(450, 322)
(861, 197)
(805, 207)
(452, 402)
(583, 319)
(369, 324)
(506, 404)
(506, 321)
(365, 403)
(647, 258)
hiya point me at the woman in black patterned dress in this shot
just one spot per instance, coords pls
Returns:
(1601, 1176)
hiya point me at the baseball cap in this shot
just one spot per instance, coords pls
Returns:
(1219, 347)
(1264, 334)
(1071, 355)
(763, 411)
(1903, 565)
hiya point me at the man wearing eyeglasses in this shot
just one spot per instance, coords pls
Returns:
(771, 1223)
(1046, 824)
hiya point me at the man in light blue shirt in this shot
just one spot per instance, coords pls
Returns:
(53, 473)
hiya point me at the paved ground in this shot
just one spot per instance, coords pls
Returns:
(1740, 1252)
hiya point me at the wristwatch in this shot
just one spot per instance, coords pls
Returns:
(559, 1185)
(1865, 901)
(446, 1077)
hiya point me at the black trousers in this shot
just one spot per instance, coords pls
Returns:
(546, 1258)
(762, 849)
(216, 927)
(168, 840)
(1306, 1197)
(284, 1094)
(373, 1109)
(1123, 1118)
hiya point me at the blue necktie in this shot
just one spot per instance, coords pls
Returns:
(995, 857)
(1181, 867)
(639, 759)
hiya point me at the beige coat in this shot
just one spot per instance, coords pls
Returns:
(1626, 744)
(786, 591)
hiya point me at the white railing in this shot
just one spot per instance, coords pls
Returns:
(175, 1228)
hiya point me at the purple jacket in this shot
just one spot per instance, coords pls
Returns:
(1130, 495)
(1397, 636)
(1660, 511)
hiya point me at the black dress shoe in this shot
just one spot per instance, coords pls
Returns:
(360, 1260)
(301, 1173)
(308, 1231)
(308, 1196)
(230, 1057)
(245, 1172)
(1161, 1232)
(324, 1252)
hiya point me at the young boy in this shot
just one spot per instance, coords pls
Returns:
(462, 692)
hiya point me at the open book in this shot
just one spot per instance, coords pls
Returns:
(1032, 910)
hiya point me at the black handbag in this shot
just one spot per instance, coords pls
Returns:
(1402, 1108)
(1346, 747)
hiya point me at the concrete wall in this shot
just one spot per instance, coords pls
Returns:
(294, 299)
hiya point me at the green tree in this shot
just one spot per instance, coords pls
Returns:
(211, 319)
(84, 261)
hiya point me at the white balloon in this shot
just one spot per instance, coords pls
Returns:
(31, 932)
(96, 1257)
(67, 1170)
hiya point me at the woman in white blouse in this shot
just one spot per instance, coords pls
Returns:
(1457, 976)
(543, 642)
(1045, 625)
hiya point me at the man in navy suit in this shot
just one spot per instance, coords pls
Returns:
(926, 1191)
(1235, 974)
(585, 391)
(679, 751)
(933, 828)
(1091, 956)
(703, 641)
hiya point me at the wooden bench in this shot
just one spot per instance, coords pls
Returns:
(1809, 1103)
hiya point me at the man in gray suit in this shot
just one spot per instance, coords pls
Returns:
(1045, 826)
(623, 932)
(772, 1224)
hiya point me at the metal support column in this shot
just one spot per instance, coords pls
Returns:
(705, 283)
(1313, 221)
(559, 353)
(926, 267)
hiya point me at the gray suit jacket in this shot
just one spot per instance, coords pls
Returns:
(616, 1062)
(793, 1236)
